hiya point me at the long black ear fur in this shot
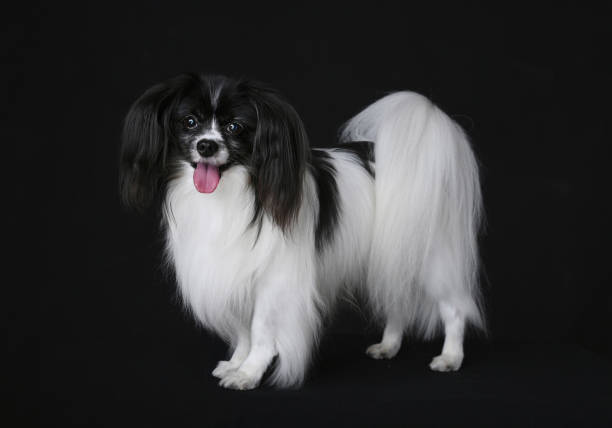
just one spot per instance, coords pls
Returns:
(145, 143)
(280, 155)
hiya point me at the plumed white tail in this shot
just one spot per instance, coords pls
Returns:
(428, 209)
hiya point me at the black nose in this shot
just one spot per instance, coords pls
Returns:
(207, 148)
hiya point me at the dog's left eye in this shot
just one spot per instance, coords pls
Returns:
(190, 122)
(233, 128)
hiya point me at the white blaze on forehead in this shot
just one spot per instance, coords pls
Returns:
(215, 90)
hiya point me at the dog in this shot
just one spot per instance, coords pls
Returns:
(264, 232)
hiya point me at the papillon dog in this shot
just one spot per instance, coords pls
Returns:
(264, 232)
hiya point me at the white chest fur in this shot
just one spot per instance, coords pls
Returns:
(215, 254)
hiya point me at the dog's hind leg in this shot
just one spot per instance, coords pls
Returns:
(452, 351)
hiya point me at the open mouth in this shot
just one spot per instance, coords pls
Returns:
(206, 177)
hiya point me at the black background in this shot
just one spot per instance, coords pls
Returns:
(530, 86)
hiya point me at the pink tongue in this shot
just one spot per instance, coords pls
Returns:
(206, 178)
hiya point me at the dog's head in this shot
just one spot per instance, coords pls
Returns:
(214, 123)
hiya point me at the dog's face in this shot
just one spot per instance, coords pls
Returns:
(213, 124)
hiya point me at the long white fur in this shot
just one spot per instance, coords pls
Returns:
(428, 207)
(233, 281)
(408, 237)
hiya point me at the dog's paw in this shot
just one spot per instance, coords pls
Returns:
(224, 368)
(381, 351)
(446, 363)
(239, 380)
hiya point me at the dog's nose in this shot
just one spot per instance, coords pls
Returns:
(207, 148)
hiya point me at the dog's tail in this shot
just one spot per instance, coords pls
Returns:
(428, 211)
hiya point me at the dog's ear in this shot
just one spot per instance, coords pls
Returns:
(280, 155)
(145, 142)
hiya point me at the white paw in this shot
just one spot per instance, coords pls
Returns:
(224, 368)
(239, 380)
(381, 351)
(446, 362)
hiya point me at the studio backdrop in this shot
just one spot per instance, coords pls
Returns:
(531, 88)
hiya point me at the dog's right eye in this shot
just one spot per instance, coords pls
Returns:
(190, 122)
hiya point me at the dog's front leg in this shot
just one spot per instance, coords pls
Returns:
(241, 351)
(263, 346)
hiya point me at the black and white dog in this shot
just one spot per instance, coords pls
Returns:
(264, 232)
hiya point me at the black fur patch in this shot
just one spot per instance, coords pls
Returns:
(364, 150)
(279, 157)
(324, 174)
